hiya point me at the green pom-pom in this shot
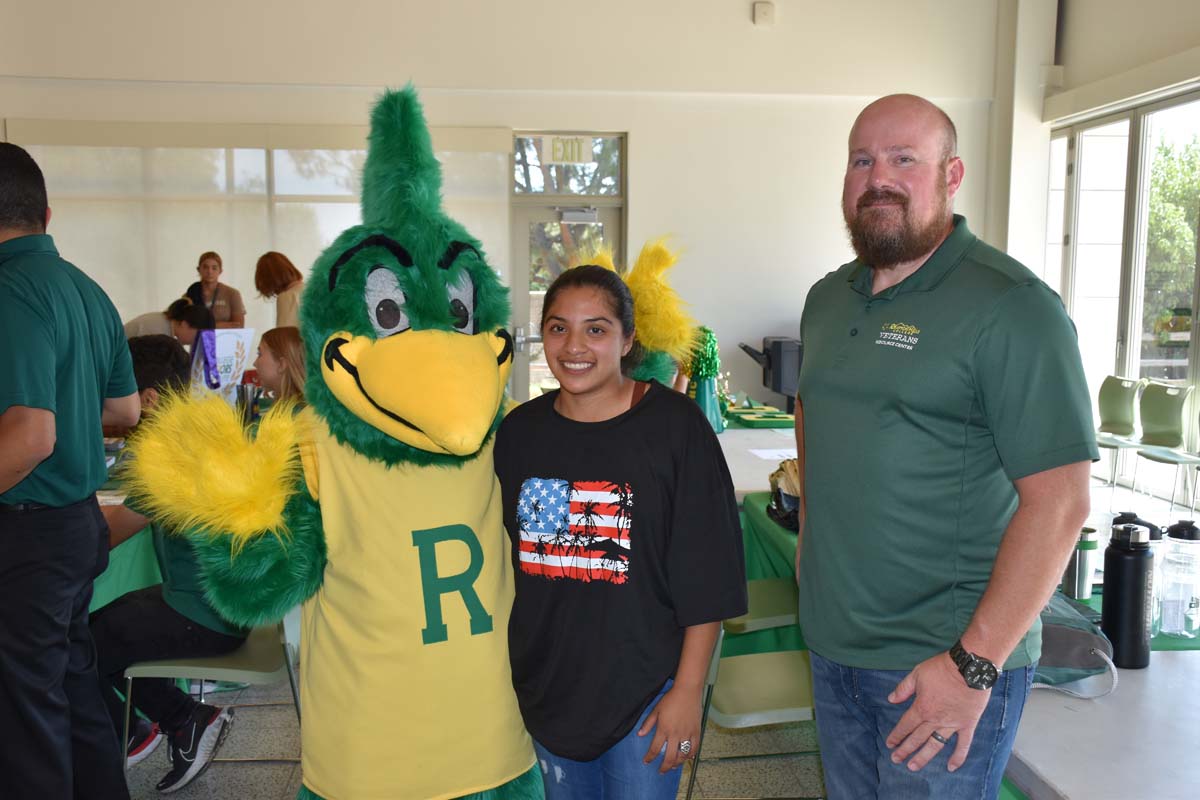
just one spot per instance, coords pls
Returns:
(707, 362)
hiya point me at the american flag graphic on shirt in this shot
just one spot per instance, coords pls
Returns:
(575, 529)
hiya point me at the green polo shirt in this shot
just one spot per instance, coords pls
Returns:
(922, 405)
(62, 348)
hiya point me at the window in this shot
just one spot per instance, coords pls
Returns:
(137, 218)
(1130, 214)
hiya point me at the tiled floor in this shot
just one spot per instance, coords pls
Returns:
(272, 731)
(257, 732)
(784, 763)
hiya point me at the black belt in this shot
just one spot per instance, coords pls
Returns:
(25, 508)
(21, 508)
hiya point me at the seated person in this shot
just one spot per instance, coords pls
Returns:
(171, 620)
(280, 363)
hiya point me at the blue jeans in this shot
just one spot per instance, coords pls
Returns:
(618, 774)
(854, 719)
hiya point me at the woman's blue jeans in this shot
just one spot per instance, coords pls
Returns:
(618, 774)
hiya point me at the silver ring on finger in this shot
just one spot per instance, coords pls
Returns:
(937, 737)
(685, 746)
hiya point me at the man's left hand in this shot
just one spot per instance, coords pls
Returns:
(944, 705)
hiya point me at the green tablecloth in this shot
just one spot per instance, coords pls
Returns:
(769, 554)
(131, 566)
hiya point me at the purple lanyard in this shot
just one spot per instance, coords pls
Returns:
(205, 349)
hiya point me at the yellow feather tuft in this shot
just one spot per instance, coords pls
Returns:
(659, 312)
(194, 465)
(602, 257)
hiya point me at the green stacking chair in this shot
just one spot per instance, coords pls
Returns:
(1118, 405)
(1161, 441)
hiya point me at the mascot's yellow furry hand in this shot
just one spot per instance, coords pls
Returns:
(194, 466)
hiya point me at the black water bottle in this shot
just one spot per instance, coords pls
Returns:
(1128, 593)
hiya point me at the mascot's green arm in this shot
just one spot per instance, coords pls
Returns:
(270, 574)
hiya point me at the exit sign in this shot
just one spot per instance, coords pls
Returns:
(566, 150)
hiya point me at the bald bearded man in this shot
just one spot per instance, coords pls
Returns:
(945, 429)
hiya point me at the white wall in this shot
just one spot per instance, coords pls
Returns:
(574, 45)
(1020, 142)
(736, 135)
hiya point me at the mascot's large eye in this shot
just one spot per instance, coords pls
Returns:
(385, 302)
(462, 304)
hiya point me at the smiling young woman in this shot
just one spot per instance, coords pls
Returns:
(627, 552)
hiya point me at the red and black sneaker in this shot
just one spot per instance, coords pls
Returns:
(144, 737)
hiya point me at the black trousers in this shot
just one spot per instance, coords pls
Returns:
(140, 626)
(56, 740)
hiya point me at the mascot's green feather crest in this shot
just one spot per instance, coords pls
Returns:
(440, 281)
(401, 177)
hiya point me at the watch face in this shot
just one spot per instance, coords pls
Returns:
(980, 674)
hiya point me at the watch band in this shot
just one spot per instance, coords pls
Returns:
(979, 673)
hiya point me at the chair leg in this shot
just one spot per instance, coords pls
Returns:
(1136, 460)
(1112, 479)
(291, 670)
(1195, 482)
(124, 743)
(708, 693)
(1174, 481)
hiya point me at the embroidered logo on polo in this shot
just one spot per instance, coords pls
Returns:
(899, 334)
(575, 530)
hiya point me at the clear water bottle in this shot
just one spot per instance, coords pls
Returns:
(1180, 595)
(1158, 546)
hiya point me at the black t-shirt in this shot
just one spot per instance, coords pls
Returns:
(624, 532)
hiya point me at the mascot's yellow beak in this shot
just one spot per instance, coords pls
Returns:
(434, 390)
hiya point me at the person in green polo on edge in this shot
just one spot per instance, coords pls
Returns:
(64, 372)
(169, 620)
(945, 430)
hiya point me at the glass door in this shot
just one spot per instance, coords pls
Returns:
(547, 242)
(568, 198)
(1164, 296)
(1166, 257)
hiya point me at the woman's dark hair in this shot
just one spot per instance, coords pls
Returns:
(159, 362)
(175, 311)
(620, 301)
(198, 317)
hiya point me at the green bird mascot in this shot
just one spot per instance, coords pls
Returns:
(375, 507)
